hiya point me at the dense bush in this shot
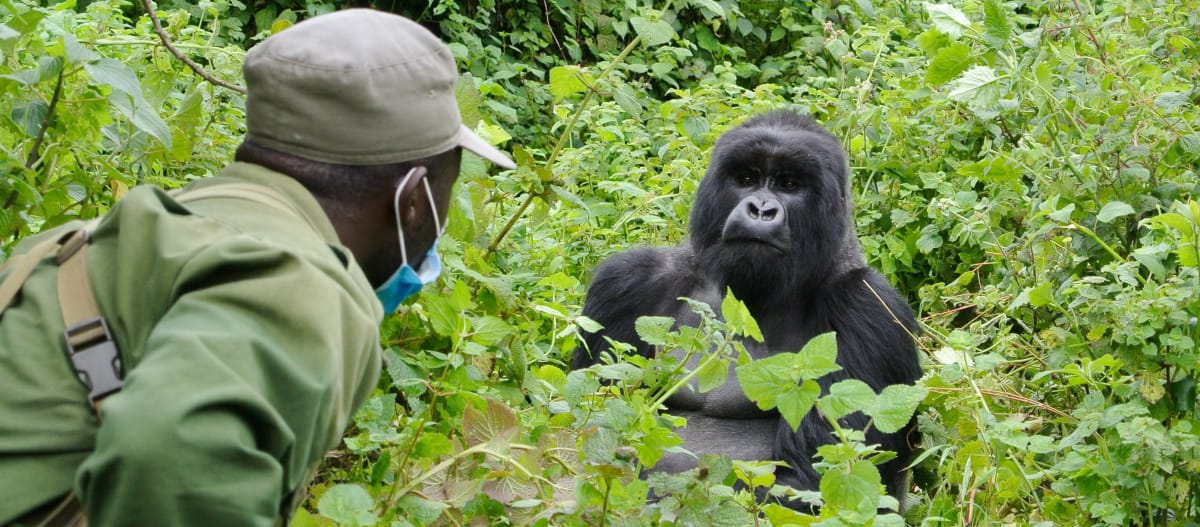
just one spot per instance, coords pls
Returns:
(1025, 172)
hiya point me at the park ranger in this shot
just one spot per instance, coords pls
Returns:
(190, 357)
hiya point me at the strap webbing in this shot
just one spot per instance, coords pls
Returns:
(22, 266)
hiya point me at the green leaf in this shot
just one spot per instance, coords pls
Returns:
(653, 32)
(654, 330)
(845, 489)
(497, 423)
(796, 401)
(712, 374)
(738, 318)
(846, 397)
(420, 511)
(566, 81)
(115, 74)
(443, 317)
(490, 330)
(979, 87)
(949, 62)
(1113, 210)
(1041, 295)
(948, 19)
(996, 27)
(762, 380)
(1171, 101)
(817, 359)
(29, 116)
(348, 505)
(895, 406)
(1190, 143)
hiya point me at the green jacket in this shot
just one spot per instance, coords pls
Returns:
(249, 339)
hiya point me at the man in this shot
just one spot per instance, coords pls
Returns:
(242, 308)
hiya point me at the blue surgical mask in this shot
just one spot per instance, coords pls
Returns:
(406, 281)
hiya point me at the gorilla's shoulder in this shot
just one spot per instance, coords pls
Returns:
(647, 266)
(642, 280)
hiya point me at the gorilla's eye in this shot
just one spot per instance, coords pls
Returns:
(745, 180)
(788, 182)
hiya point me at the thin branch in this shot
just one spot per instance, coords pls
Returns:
(35, 149)
(166, 41)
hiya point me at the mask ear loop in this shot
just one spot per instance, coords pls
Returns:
(396, 206)
(437, 222)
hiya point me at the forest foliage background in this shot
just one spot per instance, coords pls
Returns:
(1024, 171)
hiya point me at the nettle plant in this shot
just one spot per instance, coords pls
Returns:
(461, 454)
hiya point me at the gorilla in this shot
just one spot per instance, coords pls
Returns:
(772, 223)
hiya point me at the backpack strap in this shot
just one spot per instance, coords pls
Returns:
(90, 346)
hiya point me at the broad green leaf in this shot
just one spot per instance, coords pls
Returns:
(1113, 210)
(930, 240)
(420, 511)
(497, 423)
(895, 406)
(1063, 215)
(817, 359)
(653, 32)
(1171, 101)
(29, 116)
(628, 101)
(712, 374)
(115, 74)
(997, 29)
(76, 53)
(796, 401)
(619, 371)
(490, 330)
(143, 117)
(654, 330)
(1041, 295)
(348, 505)
(846, 489)
(1189, 256)
(763, 379)
(846, 397)
(710, 5)
(566, 81)
(1190, 143)
(949, 62)
(443, 318)
(948, 19)
(737, 316)
(654, 443)
(978, 87)
(601, 446)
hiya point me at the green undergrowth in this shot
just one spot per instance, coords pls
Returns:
(1024, 172)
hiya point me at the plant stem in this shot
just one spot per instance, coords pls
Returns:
(558, 146)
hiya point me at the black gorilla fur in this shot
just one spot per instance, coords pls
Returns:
(772, 222)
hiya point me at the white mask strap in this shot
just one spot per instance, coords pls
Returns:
(437, 222)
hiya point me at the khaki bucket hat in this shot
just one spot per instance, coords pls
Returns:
(357, 87)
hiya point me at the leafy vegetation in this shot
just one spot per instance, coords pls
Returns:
(1026, 172)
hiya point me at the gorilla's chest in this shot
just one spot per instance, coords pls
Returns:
(727, 400)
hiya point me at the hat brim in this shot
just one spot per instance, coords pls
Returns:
(467, 139)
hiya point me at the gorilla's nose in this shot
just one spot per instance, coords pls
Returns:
(762, 209)
(758, 219)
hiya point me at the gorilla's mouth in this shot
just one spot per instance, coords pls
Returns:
(744, 243)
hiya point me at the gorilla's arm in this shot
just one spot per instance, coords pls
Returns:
(631, 284)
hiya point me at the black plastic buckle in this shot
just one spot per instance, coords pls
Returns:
(94, 356)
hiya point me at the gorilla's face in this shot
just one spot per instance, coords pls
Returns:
(772, 207)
